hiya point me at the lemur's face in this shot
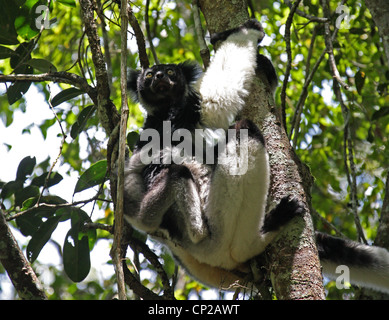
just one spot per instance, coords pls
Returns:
(161, 85)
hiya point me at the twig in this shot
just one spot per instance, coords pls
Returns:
(306, 15)
(57, 77)
(107, 52)
(137, 287)
(204, 50)
(94, 226)
(329, 224)
(153, 258)
(106, 110)
(304, 93)
(60, 149)
(148, 32)
(140, 40)
(54, 206)
(289, 61)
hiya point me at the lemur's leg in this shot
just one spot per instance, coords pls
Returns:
(187, 199)
(145, 209)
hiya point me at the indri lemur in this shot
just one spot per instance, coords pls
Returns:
(213, 221)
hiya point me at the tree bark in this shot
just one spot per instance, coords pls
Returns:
(18, 268)
(379, 10)
(292, 260)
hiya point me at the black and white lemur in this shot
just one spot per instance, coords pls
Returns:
(212, 220)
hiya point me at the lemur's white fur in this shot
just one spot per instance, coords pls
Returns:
(228, 79)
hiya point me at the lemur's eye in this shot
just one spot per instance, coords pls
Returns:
(149, 75)
(170, 72)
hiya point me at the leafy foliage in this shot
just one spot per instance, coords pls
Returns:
(319, 141)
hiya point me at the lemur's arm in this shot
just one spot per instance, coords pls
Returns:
(227, 81)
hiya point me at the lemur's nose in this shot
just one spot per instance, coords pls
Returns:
(159, 75)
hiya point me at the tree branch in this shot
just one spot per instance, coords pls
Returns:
(57, 77)
(107, 112)
(204, 50)
(148, 32)
(18, 268)
(140, 40)
(288, 24)
(116, 253)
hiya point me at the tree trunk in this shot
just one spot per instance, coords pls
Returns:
(292, 260)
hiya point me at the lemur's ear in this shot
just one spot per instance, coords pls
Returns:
(132, 83)
(191, 70)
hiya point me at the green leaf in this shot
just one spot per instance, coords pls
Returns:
(22, 53)
(54, 178)
(82, 119)
(41, 237)
(42, 65)
(360, 77)
(23, 25)
(65, 95)
(69, 3)
(25, 168)
(76, 257)
(18, 88)
(5, 52)
(132, 138)
(26, 193)
(29, 223)
(11, 188)
(95, 175)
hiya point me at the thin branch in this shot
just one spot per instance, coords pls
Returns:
(154, 260)
(306, 15)
(116, 251)
(148, 32)
(107, 52)
(204, 50)
(140, 40)
(137, 287)
(54, 206)
(304, 93)
(328, 224)
(94, 226)
(106, 110)
(289, 61)
(57, 77)
(60, 149)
